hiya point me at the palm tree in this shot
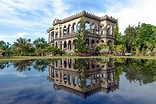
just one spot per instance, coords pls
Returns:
(40, 44)
(23, 46)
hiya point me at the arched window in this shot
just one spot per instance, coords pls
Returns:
(87, 25)
(69, 45)
(69, 29)
(92, 42)
(97, 41)
(65, 44)
(64, 30)
(56, 44)
(78, 26)
(74, 27)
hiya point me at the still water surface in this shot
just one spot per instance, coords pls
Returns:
(78, 81)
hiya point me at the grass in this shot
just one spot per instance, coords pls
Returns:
(15, 58)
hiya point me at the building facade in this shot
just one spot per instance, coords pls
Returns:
(63, 32)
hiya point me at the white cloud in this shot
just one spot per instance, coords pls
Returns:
(29, 19)
(133, 12)
(25, 17)
(18, 74)
(12, 38)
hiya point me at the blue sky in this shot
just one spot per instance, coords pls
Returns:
(32, 18)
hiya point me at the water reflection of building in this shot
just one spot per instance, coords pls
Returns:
(99, 77)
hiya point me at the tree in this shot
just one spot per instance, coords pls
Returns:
(54, 50)
(101, 48)
(137, 51)
(129, 37)
(2, 45)
(119, 48)
(118, 36)
(40, 46)
(142, 36)
(81, 38)
(22, 46)
(7, 47)
(40, 43)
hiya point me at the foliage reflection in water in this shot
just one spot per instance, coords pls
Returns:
(88, 77)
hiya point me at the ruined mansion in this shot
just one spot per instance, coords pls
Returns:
(63, 32)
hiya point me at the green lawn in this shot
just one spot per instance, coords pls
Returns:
(14, 58)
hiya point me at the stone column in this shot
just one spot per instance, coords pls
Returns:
(62, 45)
(54, 75)
(73, 80)
(77, 28)
(49, 70)
(72, 50)
(91, 28)
(49, 38)
(68, 77)
(58, 76)
(54, 34)
(58, 32)
(67, 32)
(72, 31)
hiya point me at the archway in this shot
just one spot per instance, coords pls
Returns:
(69, 29)
(92, 42)
(87, 25)
(109, 42)
(65, 45)
(56, 35)
(56, 44)
(69, 45)
(97, 41)
(74, 27)
(102, 41)
(64, 30)
(74, 46)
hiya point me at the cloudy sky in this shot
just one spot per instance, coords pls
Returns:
(32, 18)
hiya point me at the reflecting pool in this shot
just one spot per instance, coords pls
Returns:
(78, 81)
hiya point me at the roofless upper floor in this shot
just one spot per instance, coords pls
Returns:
(86, 14)
(91, 19)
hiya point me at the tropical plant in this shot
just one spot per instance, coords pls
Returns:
(101, 48)
(54, 50)
(142, 36)
(22, 46)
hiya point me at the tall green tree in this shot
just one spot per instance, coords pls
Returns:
(81, 38)
(118, 36)
(142, 36)
(129, 37)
